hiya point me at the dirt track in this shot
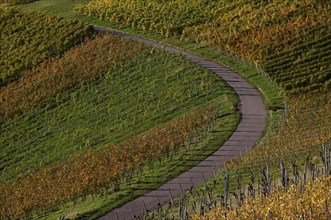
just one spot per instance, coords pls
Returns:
(247, 133)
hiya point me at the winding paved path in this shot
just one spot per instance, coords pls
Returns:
(247, 133)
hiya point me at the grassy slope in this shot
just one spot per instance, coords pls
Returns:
(270, 99)
(65, 8)
(13, 2)
(273, 97)
(74, 67)
(128, 100)
(154, 176)
(271, 94)
(24, 43)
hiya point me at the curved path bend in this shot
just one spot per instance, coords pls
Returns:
(249, 130)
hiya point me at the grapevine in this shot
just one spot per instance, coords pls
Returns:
(27, 39)
(54, 185)
(61, 73)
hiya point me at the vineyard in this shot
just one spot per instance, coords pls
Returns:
(305, 66)
(297, 150)
(13, 2)
(27, 39)
(97, 109)
(54, 185)
(61, 73)
(95, 114)
(305, 128)
(248, 29)
(289, 43)
(312, 203)
(285, 190)
(92, 126)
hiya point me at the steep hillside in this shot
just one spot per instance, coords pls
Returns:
(284, 43)
(27, 39)
(99, 117)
